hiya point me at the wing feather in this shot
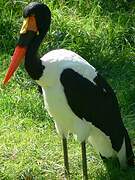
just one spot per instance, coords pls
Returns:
(95, 102)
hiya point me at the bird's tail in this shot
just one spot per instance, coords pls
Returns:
(129, 151)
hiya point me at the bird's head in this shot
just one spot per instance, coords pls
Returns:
(37, 19)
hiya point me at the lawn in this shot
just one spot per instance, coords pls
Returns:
(102, 32)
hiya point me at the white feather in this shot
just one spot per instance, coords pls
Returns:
(122, 155)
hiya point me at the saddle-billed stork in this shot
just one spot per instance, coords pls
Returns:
(77, 97)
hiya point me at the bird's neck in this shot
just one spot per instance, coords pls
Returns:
(33, 63)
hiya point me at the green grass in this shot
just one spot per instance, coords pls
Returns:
(101, 31)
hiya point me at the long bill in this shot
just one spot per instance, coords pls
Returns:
(16, 60)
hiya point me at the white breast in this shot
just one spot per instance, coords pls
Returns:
(65, 120)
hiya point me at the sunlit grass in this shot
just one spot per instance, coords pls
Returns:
(103, 32)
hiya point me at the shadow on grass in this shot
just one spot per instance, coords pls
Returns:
(114, 5)
(115, 173)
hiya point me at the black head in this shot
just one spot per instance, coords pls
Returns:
(37, 19)
(42, 15)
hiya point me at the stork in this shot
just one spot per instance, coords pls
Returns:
(78, 98)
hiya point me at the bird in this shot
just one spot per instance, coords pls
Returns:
(75, 94)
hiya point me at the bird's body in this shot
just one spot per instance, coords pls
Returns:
(56, 103)
(81, 102)
(75, 94)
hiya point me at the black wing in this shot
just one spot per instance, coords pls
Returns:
(95, 103)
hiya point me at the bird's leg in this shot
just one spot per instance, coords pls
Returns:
(65, 152)
(84, 161)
